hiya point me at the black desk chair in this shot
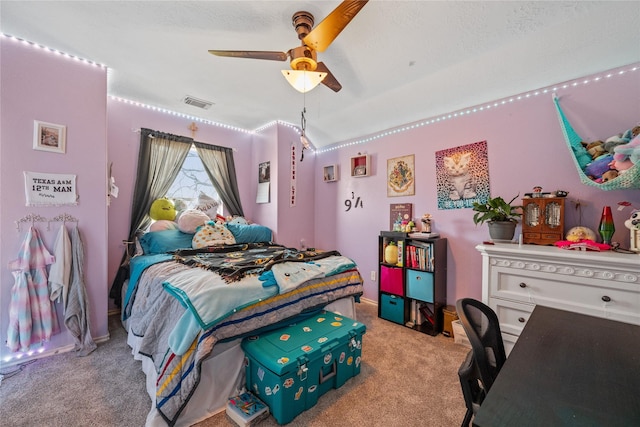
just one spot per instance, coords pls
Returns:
(472, 392)
(487, 355)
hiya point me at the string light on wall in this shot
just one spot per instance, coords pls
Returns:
(275, 123)
(18, 356)
(181, 115)
(426, 122)
(53, 51)
(289, 125)
(479, 108)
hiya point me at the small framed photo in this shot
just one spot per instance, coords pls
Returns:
(360, 165)
(330, 173)
(49, 137)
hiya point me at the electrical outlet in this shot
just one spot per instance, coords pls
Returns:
(373, 275)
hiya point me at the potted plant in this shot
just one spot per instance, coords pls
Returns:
(501, 216)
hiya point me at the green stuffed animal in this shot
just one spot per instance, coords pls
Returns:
(163, 208)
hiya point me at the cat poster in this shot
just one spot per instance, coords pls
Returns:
(400, 176)
(462, 175)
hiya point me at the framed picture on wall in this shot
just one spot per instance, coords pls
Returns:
(330, 173)
(49, 137)
(360, 165)
(400, 176)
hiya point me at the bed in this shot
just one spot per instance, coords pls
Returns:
(186, 311)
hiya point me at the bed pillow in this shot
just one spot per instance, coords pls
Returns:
(163, 224)
(138, 247)
(212, 234)
(208, 205)
(158, 242)
(238, 220)
(250, 233)
(191, 219)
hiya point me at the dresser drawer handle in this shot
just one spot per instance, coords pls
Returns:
(523, 285)
(606, 298)
(521, 319)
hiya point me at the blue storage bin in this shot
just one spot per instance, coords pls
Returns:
(420, 285)
(290, 368)
(392, 308)
(391, 280)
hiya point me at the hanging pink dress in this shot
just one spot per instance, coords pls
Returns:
(32, 315)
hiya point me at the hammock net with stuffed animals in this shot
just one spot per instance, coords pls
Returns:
(629, 179)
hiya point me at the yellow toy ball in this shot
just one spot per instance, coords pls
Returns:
(163, 209)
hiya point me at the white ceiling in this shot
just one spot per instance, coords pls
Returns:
(398, 61)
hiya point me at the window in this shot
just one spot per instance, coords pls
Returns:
(191, 181)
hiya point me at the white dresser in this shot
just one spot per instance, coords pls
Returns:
(517, 277)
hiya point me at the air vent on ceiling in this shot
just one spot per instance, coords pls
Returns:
(200, 103)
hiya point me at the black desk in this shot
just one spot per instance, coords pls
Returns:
(567, 369)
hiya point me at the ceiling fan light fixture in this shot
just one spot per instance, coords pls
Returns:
(302, 80)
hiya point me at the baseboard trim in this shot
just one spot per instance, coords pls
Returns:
(368, 301)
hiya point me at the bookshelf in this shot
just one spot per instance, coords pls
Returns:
(413, 291)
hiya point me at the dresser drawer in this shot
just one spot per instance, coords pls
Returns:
(511, 315)
(564, 290)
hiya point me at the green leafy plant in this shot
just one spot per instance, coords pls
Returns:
(496, 209)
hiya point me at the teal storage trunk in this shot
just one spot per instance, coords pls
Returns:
(290, 368)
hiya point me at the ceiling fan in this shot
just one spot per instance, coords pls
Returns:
(304, 57)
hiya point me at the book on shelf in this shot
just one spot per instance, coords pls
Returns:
(404, 211)
(420, 255)
(428, 314)
(421, 235)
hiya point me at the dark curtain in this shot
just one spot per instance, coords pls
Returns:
(160, 159)
(221, 168)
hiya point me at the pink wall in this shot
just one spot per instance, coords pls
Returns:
(295, 223)
(526, 148)
(265, 149)
(291, 225)
(39, 85)
(124, 122)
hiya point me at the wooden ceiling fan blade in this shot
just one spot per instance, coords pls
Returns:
(326, 31)
(252, 54)
(329, 81)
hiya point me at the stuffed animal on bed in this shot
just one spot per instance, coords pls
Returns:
(163, 224)
(212, 234)
(191, 219)
(163, 208)
(208, 205)
(237, 220)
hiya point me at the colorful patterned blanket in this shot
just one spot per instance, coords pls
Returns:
(233, 262)
(155, 313)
